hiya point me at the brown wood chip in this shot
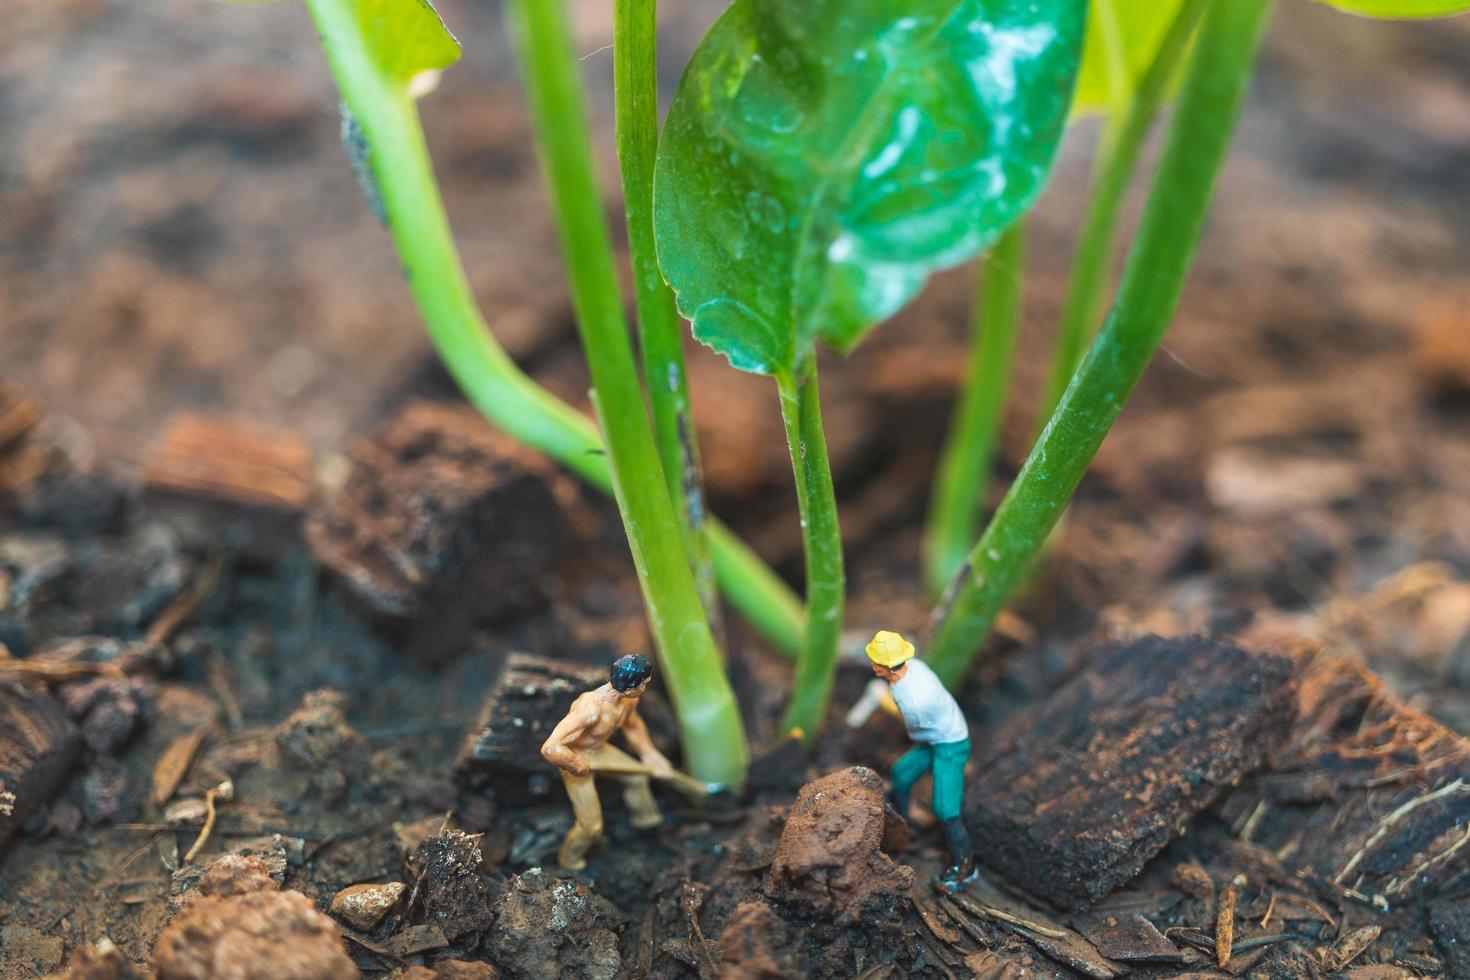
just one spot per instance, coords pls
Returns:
(1055, 941)
(941, 932)
(1350, 947)
(174, 764)
(986, 965)
(415, 939)
(1128, 937)
(1225, 920)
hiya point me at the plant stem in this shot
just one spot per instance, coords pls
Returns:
(1119, 149)
(969, 448)
(635, 87)
(821, 538)
(415, 217)
(714, 741)
(1152, 281)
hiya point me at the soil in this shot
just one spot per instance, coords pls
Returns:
(235, 486)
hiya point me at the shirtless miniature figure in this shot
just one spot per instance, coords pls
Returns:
(578, 746)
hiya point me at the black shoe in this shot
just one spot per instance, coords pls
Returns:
(958, 877)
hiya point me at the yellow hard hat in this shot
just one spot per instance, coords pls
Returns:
(888, 649)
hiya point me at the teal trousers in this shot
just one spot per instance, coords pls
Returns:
(947, 759)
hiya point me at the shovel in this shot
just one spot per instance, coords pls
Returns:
(697, 790)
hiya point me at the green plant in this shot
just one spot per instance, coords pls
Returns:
(1083, 400)
(969, 446)
(379, 51)
(1152, 282)
(820, 160)
(1130, 55)
(635, 84)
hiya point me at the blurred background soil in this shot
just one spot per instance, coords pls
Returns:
(179, 230)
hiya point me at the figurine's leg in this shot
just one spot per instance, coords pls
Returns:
(949, 798)
(638, 795)
(949, 778)
(587, 825)
(637, 792)
(906, 772)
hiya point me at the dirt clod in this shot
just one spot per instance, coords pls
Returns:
(37, 746)
(224, 877)
(747, 945)
(555, 927)
(119, 584)
(236, 874)
(317, 741)
(107, 796)
(103, 961)
(25, 949)
(263, 935)
(830, 858)
(363, 906)
(454, 895)
(443, 522)
(108, 709)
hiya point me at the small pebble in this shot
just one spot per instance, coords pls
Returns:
(363, 906)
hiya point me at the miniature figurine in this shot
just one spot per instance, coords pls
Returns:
(935, 722)
(578, 746)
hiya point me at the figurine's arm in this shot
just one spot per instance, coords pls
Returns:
(638, 738)
(557, 748)
(872, 699)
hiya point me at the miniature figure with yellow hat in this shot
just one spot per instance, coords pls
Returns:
(935, 722)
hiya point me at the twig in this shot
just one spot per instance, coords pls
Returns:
(941, 932)
(942, 960)
(1270, 907)
(1384, 825)
(1253, 821)
(991, 912)
(226, 790)
(1257, 941)
(183, 606)
(48, 671)
(1399, 884)
(1311, 904)
(1194, 937)
(964, 922)
(691, 902)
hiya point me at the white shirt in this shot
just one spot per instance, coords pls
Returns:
(929, 711)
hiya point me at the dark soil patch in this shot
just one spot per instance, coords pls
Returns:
(1286, 502)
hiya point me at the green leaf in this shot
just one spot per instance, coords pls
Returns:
(404, 39)
(1401, 9)
(1122, 38)
(822, 158)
